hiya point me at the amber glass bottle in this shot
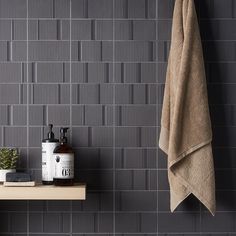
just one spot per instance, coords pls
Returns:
(64, 162)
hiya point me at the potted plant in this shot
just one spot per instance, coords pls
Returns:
(8, 159)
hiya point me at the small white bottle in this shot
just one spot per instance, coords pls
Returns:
(48, 146)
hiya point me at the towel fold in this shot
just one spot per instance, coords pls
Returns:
(185, 124)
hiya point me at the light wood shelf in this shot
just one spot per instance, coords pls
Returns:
(44, 192)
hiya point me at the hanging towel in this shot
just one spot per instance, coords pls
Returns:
(185, 124)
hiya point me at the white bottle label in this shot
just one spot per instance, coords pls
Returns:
(48, 161)
(64, 165)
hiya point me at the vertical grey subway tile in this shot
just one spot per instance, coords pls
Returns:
(93, 115)
(107, 51)
(102, 137)
(13, 90)
(15, 136)
(123, 30)
(140, 180)
(79, 8)
(62, 9)
(19, 51)
(83, 222)
(10, 72)
(4, 114)
(5, 222)
(100, 8)
(77, 115)
(64, 91)
(5, 30)
(127, 222)
(89, 94)
(149, 222)
(13, 9)
(40, 8)
(144, 30)
(81, 30)
(45, 93)
(149, 72)
(33, 29)
(105, 222)
(136, 8)
(190, 222)
(123, 179)
(56, 223)
(80, 136)
(91, 51)
(131, 72)
(133, 51)
(121, 9)
(78, 72)
(48, 29)
(106, 94)
(19, 115)
(103, 30)
(18, 222)
(37, 115)
(49, 50)
(49, 72)
(35, 222)
(64, 33)
(98, 72)
(59, 115)
(19, 29)
(165, 11)
(35, 158)
(35, 136)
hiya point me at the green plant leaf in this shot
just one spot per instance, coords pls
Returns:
(8, 158)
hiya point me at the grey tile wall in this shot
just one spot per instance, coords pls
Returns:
(98, 67)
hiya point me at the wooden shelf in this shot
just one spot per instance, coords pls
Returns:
(44, 192)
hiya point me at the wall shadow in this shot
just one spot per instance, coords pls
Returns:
(217, 95)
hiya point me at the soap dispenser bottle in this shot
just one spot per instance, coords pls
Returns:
(48, 146)
(63, 162)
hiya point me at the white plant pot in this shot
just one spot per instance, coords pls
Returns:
(3, 174)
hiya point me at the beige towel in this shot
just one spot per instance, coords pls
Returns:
(185, 124)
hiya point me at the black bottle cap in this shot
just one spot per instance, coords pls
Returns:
(63, 131)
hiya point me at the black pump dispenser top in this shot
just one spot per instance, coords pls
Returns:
(50, 133)
(50, 136)
(63, 138)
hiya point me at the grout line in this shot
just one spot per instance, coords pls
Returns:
(123, 161)
(208, 233)
(107, 18)
(113, 120)
(157, 118)
(94, 83)
(70, 77)
(117, 126)
(129, 39)
(27, 88)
